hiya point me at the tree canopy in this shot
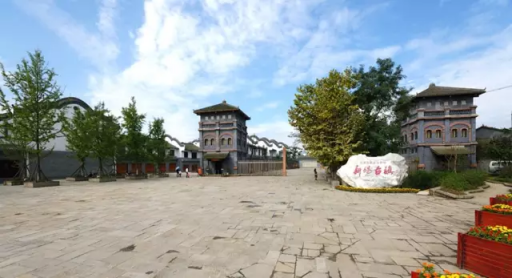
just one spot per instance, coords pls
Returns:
(77, 131)
(134, 139)
(329, 121)
(385, 104)
(157, 145)
(104, 136)
(34, 113)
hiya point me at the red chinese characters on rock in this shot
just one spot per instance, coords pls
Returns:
(378, 170)
(388, 170)
(357, 170)
(367, 170)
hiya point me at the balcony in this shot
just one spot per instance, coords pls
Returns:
(460, 112)
(209, 126)
(226, 125)
(434, 114)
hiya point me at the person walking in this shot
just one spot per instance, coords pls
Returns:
(186, 171)
(178, 174)
(316, 174)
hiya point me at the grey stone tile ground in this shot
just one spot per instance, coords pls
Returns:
(223, 227)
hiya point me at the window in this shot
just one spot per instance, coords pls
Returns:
(454, 133)
(412, 136)
(223, 141)
(463, 102)
(429, 104)
(229, 141)
(206, 117)
(446, 103)
(229, 116)
(415, 135)
(438, 104)
(218, 117)
(223, 116)
(454, 102)
(464, 133)
(194, 155)
(212, 141)
(405, 138)
(206, 142)
(438, 134)
(171, 152)
(185, 154)
(429, 134)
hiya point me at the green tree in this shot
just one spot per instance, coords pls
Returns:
(157, 145)
(104, 136)
(500, 147)
(34, 110)
(385, 104)
(77, 131)
(330, 124)
(135, 140)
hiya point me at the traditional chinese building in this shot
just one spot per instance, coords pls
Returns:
(442, 124)
(222, 137)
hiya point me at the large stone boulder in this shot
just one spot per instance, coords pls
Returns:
(374, 172)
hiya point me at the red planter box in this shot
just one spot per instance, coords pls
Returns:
(494, 201)
(415, 274)
(484, 257)
(485, 218)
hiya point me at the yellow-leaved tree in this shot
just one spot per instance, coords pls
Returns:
(329, 123)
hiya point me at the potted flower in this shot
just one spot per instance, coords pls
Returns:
(498, 214)
(486, 251)
(505, 199)
(429, 272)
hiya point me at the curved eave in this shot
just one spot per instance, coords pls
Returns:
(63, 102)
(255, 139)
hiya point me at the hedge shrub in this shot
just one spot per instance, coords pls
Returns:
(475, 178)
(455, 182)
(423, 180)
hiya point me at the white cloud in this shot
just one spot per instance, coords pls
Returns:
(466, 57)
(182, 55)
(98, 49)
(267, 106)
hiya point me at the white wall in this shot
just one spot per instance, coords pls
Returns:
(59, 143)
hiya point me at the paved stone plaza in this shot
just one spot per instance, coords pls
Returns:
(276, 227)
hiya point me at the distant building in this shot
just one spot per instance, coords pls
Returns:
(223, 139)
(487, 132)
(442, 123)
(222, 123)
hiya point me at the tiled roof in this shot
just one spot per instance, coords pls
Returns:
(221, 107)
(437, 91)
(191, 147)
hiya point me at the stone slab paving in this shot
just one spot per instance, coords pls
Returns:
(253, 227)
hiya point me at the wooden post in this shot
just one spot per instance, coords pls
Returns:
(284, 161)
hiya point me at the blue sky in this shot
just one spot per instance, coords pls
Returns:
(178, 55)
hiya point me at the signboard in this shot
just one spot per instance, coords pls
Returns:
(374, 172)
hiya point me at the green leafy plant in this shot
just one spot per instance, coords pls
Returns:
(104, 135)
(454, 182)
(475, 178)
(329, 122)
(134, 140)
(156, 144)
(77, 132)
(34, 111)
(423, 180)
